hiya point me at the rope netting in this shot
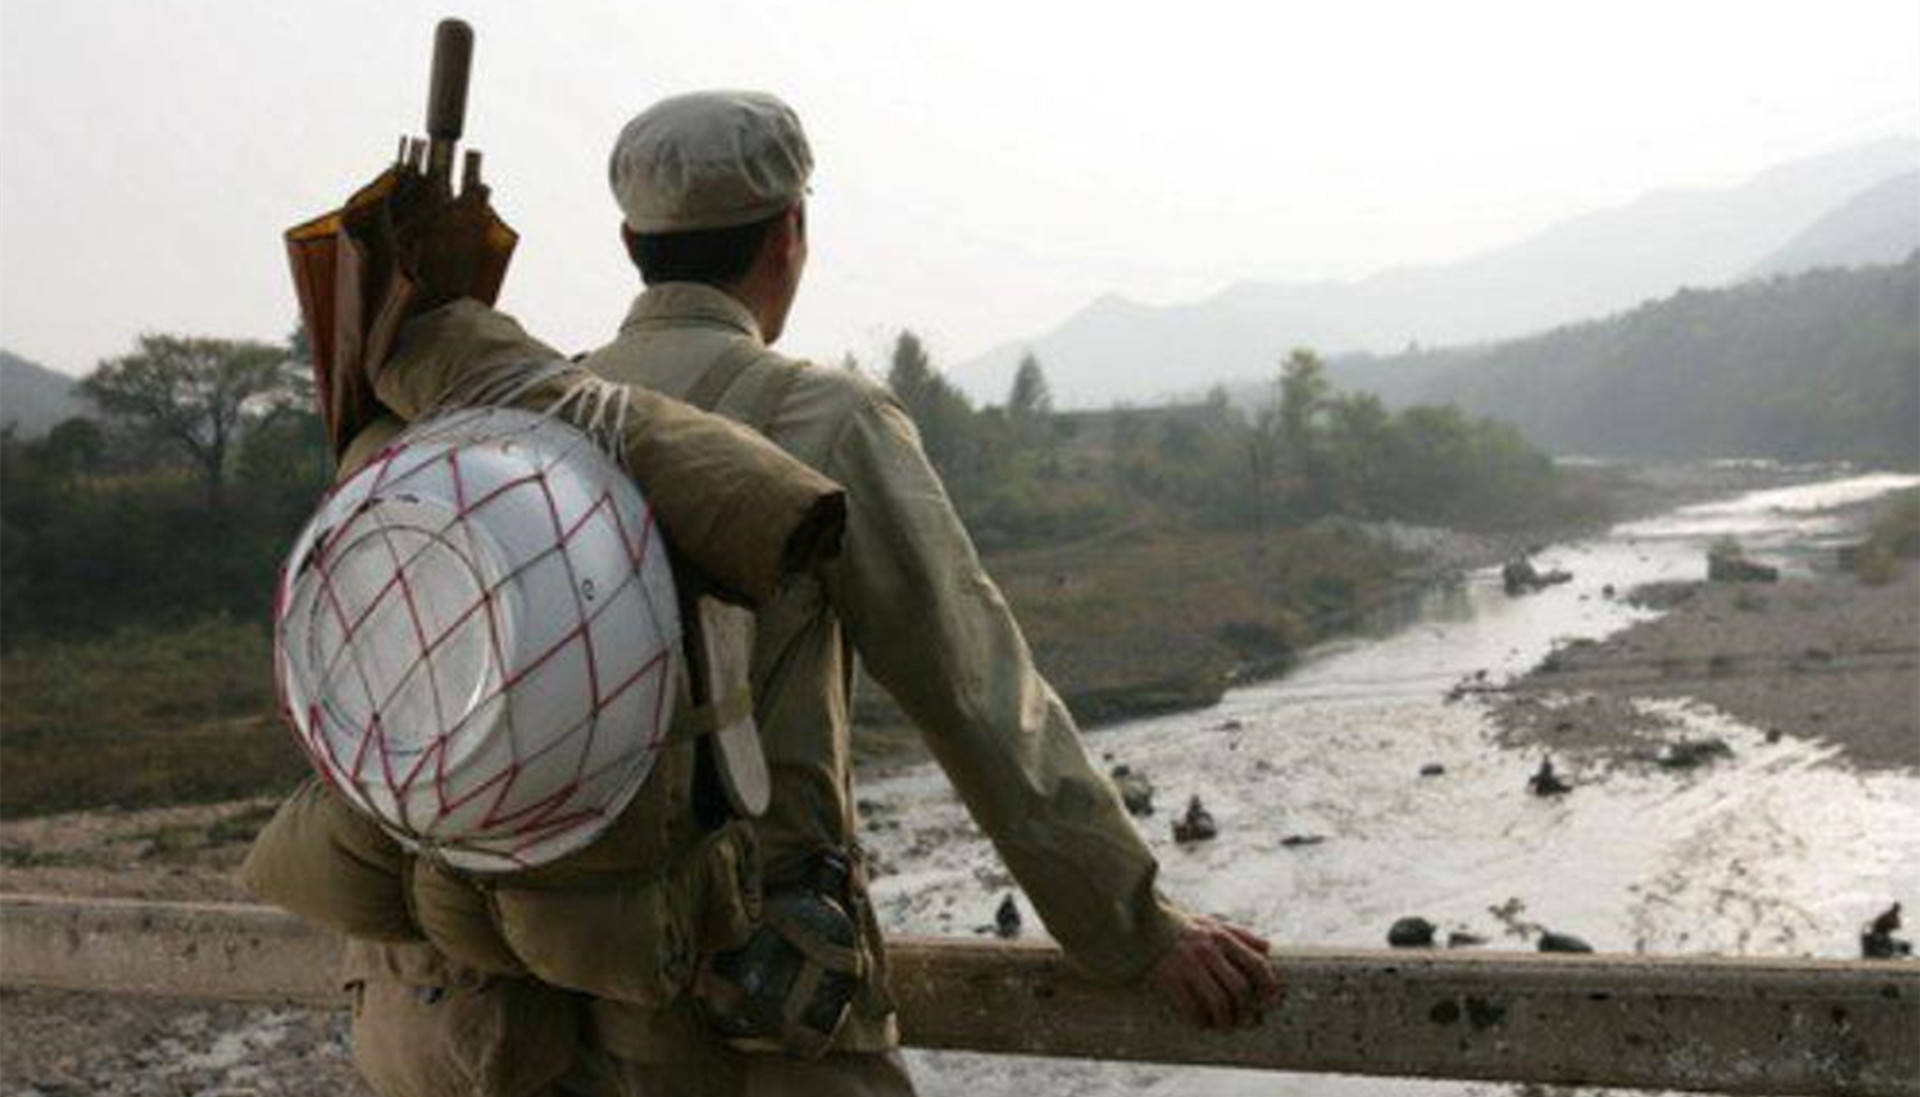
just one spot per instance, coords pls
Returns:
(477, 638)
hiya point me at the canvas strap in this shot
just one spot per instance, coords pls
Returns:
(720, 377)
(704, 720)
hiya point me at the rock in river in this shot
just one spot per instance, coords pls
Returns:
(1196, 825)
(1411, 933)
(1135, 790)
(1006, 920)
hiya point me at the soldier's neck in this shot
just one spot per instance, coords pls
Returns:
(767, 300)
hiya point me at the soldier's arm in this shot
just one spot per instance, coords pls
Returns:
(936, 632)
(742, 511)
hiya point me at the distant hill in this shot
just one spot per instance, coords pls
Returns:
(1116, 349)
(1819, 365)
(35, 399)
(1879, 225)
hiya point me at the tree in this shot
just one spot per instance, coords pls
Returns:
(1284, 458)
(300, 344)
(191, 393)
(1030, 397)
(1304, 389)
(1359, 444)
(911, 369)
(1030, 409)
(74, 448)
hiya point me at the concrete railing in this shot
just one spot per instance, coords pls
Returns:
(1700, 1024)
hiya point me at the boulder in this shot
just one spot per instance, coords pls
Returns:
(1731, 567)
(1691, 753)
(1879, 943)
(1519, 576)
(1006, 920)
(1562, 942)
(1545, 782)
(1411, 933)
(1196, 825)
(1136, 792)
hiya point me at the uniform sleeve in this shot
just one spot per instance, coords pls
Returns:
(937, 634)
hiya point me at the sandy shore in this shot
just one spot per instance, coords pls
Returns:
(1826, 657)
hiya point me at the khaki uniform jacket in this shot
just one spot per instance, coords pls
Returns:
(908, 595)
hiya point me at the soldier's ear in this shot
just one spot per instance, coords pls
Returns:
(788, 239)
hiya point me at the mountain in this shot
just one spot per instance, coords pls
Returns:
(1115, 349)
(33, 398)
(1879, 225)
(1819, 365)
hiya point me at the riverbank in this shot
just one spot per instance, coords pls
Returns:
(1154, 621)
(1829, 656)
(1146, 621)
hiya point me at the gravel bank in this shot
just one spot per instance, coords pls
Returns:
(1825, 657)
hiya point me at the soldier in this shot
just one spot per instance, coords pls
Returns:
(712, 190)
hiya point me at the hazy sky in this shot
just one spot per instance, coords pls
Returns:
(984, 168)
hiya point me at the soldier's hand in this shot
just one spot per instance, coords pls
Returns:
(1216, 974)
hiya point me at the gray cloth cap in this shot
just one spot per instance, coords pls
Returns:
(709, 160)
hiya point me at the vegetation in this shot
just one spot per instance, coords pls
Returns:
(137, 563)
(141, 716)
(190, 395)
(132, 522)
(1820, 366)
(1153, 553)
(1892, 543)
(1023, 476)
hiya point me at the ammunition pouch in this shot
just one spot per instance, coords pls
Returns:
(791, 987)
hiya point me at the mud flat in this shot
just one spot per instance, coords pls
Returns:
(60, 1044)
(63, 1044)
(1824, 657)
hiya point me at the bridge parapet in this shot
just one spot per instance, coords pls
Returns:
(1702, 1024)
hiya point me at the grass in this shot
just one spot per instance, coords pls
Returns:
(140, 718)
(1136, 621)
(1147, 619)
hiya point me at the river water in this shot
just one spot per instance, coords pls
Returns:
(1782, 850)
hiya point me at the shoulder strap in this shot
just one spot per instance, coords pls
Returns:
(772, 395)
(713, 386)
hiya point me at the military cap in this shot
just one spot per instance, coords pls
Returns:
(709, 160)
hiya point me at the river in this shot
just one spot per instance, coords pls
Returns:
(1781, 850)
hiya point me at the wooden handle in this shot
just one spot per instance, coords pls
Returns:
(447, 93)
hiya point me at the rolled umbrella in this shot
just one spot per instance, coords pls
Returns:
(400, 245)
